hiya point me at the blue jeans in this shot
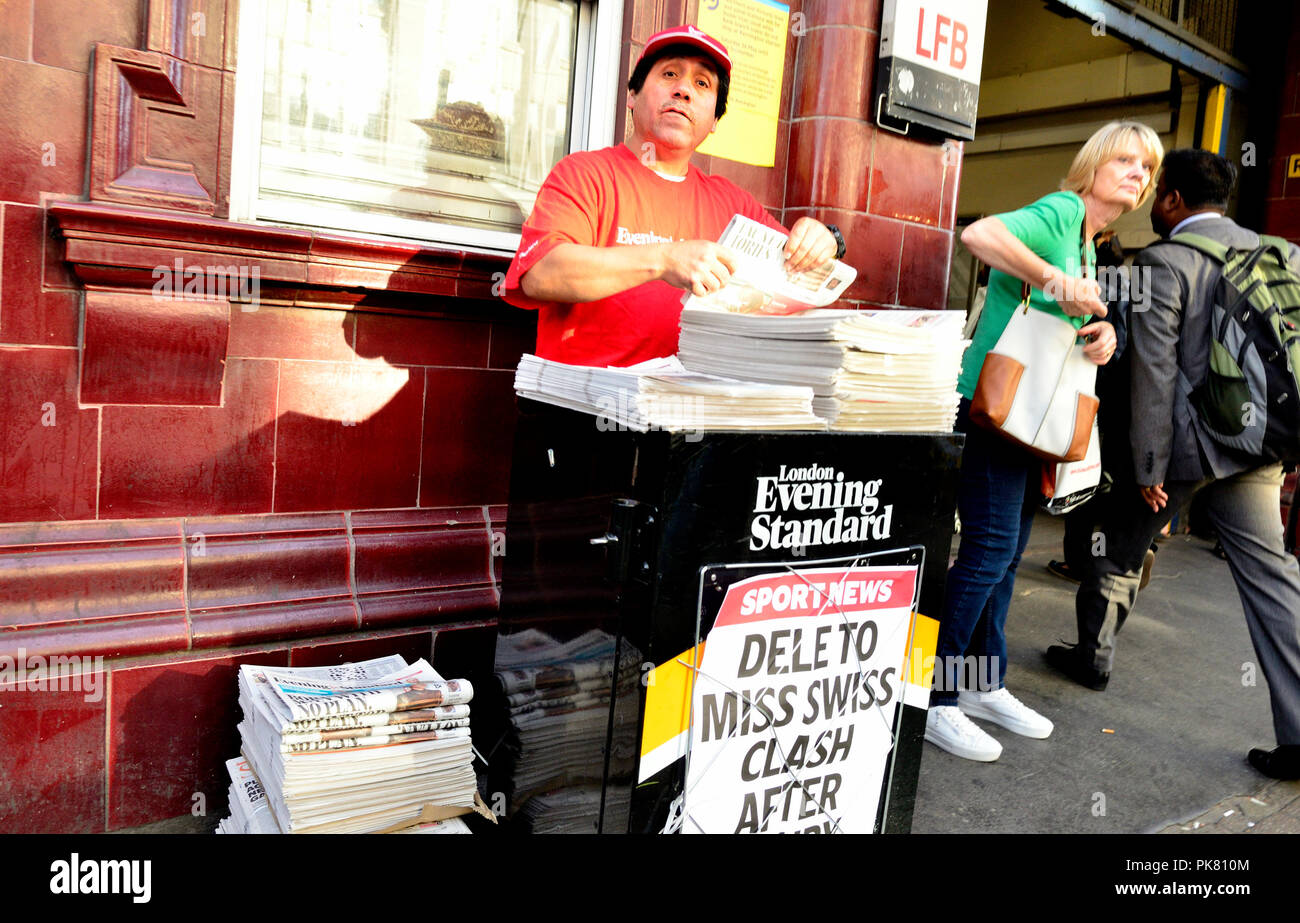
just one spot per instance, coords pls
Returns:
(997, 495)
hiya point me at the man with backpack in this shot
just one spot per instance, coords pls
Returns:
(1215, 352)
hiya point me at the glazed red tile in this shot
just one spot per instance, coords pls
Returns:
(906, 178)
(420, 607)
(15, 30)
(835, 73)
(127, 636)
(420, 549)
(874, 248)
(841, 12)
(828, 159)
(198, 36)
(64, 573)
(140, 348)
(57, 272)
(923, 275)
(510, 341)
(259, 578)
(29, 315)
(271, 621)
(172, 727)
(138, 123)
(194, 461)
(767, 184)
(411, 645)
(43, 133)
(954, 157)
(291, 333)
(403, 340)
(469, 424)
(364, 418)
(1282, 217)
(47, 442)
(66, 31)
(53, 746)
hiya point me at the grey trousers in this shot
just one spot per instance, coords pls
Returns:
(1245, 511)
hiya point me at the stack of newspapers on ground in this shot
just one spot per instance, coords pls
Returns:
(660, 394)
(558, 700)
(881, 370)
(353, 748)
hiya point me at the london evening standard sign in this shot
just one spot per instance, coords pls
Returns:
(804, 508)
(931, 53)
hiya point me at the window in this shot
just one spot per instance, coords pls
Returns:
(433, 119)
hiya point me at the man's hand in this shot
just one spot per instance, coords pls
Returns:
(698, 266)
(1154, 496)
(809, 246)
(1101, 343)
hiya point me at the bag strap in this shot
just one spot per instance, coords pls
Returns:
(1203, 244)
(1083, 261)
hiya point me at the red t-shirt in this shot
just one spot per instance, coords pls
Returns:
(608, 198)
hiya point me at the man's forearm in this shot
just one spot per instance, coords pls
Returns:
(575, 273)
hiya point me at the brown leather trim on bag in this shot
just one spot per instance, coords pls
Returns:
(1085, 412)
(995, 390)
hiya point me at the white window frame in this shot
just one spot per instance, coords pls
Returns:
(596, 92)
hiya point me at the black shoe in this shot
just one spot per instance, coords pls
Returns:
(1281, 763)
(1065, 658)
(1062, 570)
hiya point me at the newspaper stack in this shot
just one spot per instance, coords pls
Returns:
(660, 394)
(899, 373)
(250, 813)
(352, 748)
(575, 810)
(551, 756)
(869, 370)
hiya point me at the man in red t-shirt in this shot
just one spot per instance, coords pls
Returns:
(618, 235)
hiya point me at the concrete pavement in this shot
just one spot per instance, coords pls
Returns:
(1161, 750)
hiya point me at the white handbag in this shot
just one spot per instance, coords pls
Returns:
(1036, 387)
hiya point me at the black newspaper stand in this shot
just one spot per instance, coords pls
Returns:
(714, 632)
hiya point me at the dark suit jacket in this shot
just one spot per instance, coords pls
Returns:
(1169, 346)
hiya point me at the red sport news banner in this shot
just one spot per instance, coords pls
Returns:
(795, 700)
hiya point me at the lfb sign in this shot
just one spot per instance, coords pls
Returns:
(931, 52)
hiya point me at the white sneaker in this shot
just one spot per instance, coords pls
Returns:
(948, 729)
(1005, 710)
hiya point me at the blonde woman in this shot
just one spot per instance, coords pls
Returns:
(1047, 244)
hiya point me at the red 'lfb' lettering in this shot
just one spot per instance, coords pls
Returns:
(955, 40)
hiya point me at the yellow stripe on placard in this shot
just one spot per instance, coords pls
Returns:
(920, 661)
(668, 699)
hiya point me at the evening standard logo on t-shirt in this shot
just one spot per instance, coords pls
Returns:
(648, 237)
(801, 507)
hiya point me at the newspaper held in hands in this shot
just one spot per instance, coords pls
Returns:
(761, 285)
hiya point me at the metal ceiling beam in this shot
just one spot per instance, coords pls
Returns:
(1160, 42)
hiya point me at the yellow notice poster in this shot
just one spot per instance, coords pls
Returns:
(754, 32)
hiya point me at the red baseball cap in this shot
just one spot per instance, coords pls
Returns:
(689, 35)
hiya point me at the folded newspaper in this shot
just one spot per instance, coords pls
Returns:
(353, 748)
(760, 283)
(660, 394)
(870, 370)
